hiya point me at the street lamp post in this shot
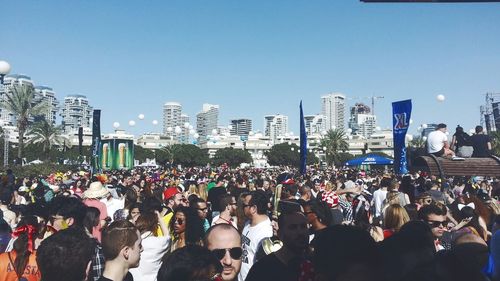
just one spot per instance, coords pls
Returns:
(4, 70)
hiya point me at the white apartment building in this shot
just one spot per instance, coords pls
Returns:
(315, 124)
(275, 126)
(333, 108)
(207, 120)
(6, 117)
(76, 112)
(47, 95)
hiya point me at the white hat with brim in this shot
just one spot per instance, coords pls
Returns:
(95, 191)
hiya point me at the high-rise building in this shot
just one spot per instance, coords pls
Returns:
(76, 112)
(240, 127)
(6, 117)
(207, 120)
(275, 126)
(361, 121)
(47, 95)
(171, 117)
(333, 108)
(174, 122)
(315, 124)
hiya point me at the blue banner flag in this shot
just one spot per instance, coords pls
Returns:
(401, 113)
(96, 142)
(303, 142)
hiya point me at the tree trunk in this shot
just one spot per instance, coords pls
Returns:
(21, 145)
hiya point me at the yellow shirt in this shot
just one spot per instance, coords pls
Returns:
(166, 219)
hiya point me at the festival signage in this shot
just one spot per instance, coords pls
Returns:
(401, 113)
(116, 154)
(96, 140)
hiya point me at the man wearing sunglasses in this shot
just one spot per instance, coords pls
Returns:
(435, 217)
(225, 243)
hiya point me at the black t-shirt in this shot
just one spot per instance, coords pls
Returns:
(272, 269)
(480, 145)
(128, 277)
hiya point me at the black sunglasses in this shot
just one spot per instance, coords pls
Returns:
(179, 221)
(433, 224)
(235, 253)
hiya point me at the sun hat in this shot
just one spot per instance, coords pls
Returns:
(95, 191)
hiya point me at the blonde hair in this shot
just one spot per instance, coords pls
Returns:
(329, 186)
(202, 191)
(395, 217)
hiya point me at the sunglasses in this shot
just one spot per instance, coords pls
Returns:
(434, 224)
(179, 221)
(235, 253)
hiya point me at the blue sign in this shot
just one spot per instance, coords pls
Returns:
(401, 114)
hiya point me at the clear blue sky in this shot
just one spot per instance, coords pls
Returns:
(257, 57)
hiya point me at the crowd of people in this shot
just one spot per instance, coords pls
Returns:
(248, 224)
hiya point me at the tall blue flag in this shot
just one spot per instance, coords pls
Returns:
(303, 142)
(401, 113)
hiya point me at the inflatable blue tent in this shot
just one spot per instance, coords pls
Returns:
(369, 159)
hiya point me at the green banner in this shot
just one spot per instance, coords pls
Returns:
(116, 154)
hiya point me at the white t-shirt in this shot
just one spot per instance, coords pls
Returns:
(435, 141)
(251, 239)
(154, 249)
(378, 199)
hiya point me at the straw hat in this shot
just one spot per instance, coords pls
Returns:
(95, 191)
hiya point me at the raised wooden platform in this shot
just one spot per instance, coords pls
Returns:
(442, 167)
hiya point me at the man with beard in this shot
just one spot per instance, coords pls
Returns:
(225, 243)
(288, 263)
(228, 207)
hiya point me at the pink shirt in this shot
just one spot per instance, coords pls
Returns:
(96, 231)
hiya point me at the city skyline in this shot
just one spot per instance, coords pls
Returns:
(259, 58)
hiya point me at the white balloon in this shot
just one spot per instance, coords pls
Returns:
(411, 121)
(192, 131)
(196, 136)
(186, 125)
(155, 122)
(116, 125)
(214, 132)
(291, 133)
(324, 132)
(91, 120)
(349, 130)
(424, 138)
(141, 116)
(177, 130)
(251, 133)
(440, 98)
(131, 123)
(191, 127)
(230, 127)
(292, 149)
(169, 129)
(419, 128)
(424, 126)
(409, 137)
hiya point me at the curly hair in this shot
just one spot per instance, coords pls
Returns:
(194, 232)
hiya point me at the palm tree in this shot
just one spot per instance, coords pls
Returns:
(335, 142)
(48, 135)
(19, 100)
(495, 142)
